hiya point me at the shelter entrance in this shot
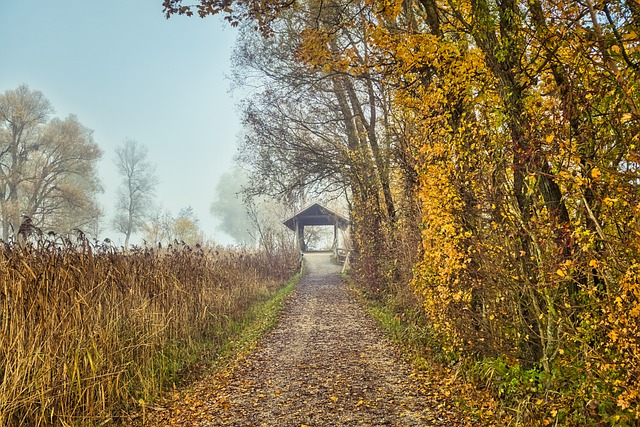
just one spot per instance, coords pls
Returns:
(317, 229)
(318, 238)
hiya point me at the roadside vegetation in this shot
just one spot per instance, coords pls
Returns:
(189, 403)
(88, 332)
(488, 151)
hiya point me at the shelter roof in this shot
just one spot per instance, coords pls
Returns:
(316, 215)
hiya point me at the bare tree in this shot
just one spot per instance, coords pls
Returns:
(293, 143)
(136, 191)
(47, 167)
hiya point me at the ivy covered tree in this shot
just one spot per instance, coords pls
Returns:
(503, 136)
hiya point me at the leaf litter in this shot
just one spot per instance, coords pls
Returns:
(325, 363)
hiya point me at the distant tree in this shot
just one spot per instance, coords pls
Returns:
(186, 227)
(166, 229)
(136, 191)
(62, 184)
(229, 207)
(47, 167)
(157, 228)
(250, 219)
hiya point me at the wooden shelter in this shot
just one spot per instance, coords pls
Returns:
(312, 216)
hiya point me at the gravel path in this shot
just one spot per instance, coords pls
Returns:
(324, 364)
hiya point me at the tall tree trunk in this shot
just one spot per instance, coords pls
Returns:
(570, 111)
(512, 94)
(368, 128)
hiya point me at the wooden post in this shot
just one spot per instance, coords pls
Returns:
(299, 236)
(302, 245)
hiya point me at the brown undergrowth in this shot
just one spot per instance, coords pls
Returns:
(87, 331)
(401, 317)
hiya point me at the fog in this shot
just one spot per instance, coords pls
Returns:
(127, 72)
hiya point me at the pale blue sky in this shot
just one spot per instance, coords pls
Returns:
(127, 72)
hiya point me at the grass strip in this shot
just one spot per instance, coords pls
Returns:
(404, 327)
(260, 319)
(202, 359)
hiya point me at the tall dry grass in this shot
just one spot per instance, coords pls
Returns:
(86, 330)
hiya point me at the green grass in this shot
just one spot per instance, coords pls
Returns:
(405, 325)
(183, 365)
(243, 334)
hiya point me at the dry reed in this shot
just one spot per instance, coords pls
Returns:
(86, 330)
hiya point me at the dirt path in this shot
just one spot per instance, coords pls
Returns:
(324, 364)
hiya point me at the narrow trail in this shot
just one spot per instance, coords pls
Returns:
(324, 364)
